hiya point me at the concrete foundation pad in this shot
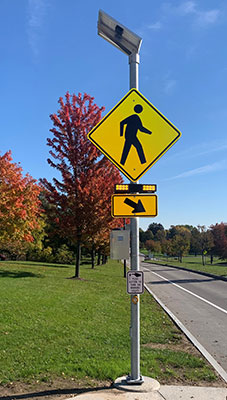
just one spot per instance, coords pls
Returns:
(149, 385)
(116, 394)
(164, 393)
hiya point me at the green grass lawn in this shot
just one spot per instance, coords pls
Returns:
(218, 267)
(53, 326)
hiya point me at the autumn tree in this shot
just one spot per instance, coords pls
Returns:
(219, 234)
(167, 248)
(19, 205)
(205, 242)
(180, 240)
(98, 219)
(144, 236)
(153, 245)
(79, 197)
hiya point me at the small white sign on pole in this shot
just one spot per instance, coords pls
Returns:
(135, 282)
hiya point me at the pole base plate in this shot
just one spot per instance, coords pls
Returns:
(144, 384)
(131, 381)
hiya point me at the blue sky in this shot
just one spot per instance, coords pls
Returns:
(49, 47)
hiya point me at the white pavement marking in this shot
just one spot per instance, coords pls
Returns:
(192, 338)
(193, 294)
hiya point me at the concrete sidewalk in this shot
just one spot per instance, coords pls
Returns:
(164, 393)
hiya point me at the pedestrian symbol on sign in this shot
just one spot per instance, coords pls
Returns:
(133, 124)
(134, 135)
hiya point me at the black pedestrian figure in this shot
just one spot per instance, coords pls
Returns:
(133, 125)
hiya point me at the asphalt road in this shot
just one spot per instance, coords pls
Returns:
(198, 301)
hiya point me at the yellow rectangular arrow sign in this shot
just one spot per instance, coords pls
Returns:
(134, 205)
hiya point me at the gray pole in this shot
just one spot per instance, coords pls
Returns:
(135, 376)
(125, 263)
(134, 60)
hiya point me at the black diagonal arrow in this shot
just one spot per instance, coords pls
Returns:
(138, 207)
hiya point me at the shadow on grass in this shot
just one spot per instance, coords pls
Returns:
(54, 392)
(85, 262)
(39, 264)
(21, 274)
(221, 264)
(194, 263)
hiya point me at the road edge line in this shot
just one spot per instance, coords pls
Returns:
(192, 339)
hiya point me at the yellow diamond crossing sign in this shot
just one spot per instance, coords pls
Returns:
(134, 135)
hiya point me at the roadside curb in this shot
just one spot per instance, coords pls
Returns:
(192, 339)
(218, 277)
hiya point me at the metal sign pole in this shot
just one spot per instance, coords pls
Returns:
(129, 43)
(135, 376)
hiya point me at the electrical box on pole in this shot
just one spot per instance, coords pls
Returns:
(119, 244)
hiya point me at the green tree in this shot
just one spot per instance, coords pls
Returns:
(160, 235)
(154, 228)
(181, 242)
(206, 242)
(144, 236)
(195, 246)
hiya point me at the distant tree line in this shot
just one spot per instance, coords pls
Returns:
(181, 240)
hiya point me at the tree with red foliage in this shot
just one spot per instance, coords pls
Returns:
(81, 199)
(98, 209)
(219, 232)
(19, 203)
